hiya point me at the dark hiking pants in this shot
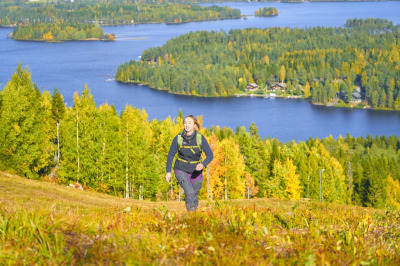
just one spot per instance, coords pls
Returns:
(191, 184)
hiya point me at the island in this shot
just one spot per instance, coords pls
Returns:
(58, 32)
(352, 66)
(266, 12)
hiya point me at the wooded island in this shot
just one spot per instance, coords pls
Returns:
(57, 32)
(266, 12)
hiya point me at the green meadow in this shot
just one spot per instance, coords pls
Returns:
(48, 223)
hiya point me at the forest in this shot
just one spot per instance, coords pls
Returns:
(124, 154)
(266, 12)
(55, 32)
(109, 13)
(356, 65)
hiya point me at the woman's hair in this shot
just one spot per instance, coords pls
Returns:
(196, 123)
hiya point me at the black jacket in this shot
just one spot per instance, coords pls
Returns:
(190, 155)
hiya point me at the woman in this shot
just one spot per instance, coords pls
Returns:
(189, 166)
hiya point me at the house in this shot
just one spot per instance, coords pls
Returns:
(357, 98)
(251, 87)
(277, 87)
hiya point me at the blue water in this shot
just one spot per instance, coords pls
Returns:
(68, 66)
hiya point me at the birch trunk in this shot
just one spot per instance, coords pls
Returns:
(58, 142)
(102, 161)
(126, 162)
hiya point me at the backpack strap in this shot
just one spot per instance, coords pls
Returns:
(198, 141)
(179, 141)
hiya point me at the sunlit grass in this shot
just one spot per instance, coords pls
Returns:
(45, 223)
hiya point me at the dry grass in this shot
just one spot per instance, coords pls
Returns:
(47, 223)
(16, 191)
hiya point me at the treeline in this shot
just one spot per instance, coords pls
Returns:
(372, 23)
(323, 64)
(52, 32)
(113, 13)
(125, 154)
(266, 12)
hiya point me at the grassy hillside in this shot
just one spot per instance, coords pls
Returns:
(45, 223)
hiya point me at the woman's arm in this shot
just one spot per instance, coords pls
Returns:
(172, 151)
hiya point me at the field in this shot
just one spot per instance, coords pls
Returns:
(47, 223)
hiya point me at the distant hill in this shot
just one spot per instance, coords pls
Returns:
(47, 223)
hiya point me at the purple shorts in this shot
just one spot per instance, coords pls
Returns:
(196, 175)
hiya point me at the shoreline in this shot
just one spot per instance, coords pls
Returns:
(59, 41)
(266, 96)
(153, 22)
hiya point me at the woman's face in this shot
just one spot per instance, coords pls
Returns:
(188, 124)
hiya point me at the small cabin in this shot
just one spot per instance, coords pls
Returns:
(357, 98)
(277, 87)
(251, 87)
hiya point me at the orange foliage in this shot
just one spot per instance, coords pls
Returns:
(216, 170)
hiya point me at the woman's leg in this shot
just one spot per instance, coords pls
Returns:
(184, 180)
(197, 181)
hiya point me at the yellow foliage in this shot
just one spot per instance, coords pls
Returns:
(216, 170)
(393, 192)
(306, 91)
(48, 36)
(234, 168)
(293, 188)
(266, 59)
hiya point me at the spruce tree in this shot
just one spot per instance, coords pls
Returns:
(24, 133)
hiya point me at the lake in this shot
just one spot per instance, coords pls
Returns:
(68, 66)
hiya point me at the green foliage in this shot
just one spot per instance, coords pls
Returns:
(326, 65)
(52, 32)
(373, 24)
(37, 235)
(57, 106)
(266, 12)
(25, 118)
(110, 12)
(125, 154)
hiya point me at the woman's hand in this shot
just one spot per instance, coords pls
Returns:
(199, 167)
(168, 177)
